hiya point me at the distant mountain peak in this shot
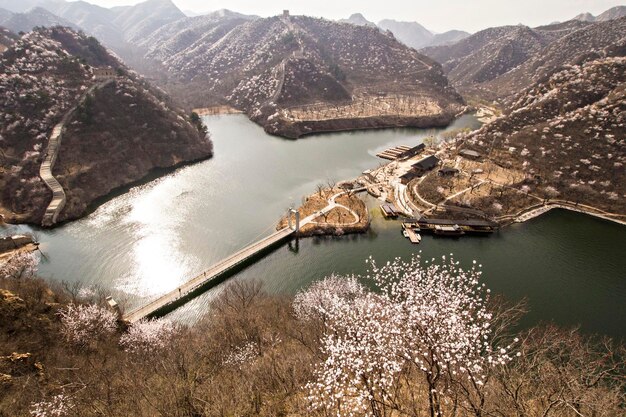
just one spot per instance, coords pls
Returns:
(585, 17)
(358, 19)
(409, 33)
(610, 14)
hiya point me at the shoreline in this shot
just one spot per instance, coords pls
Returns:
(533, 213)
(153, 174)
(216, 110)
(300, 129)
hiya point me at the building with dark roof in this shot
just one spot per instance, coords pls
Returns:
(411, 175)
(416, 150)
(448, 172)
(426, 164)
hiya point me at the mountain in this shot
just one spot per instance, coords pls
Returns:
(22, 6)
(115, 130)
(566, 133)
(409, 33)
(119, 28)
(358, 19)
(585, 17)
(587, 43)
(611, 14)
(499, 62)
(190, 33)
(94, 20)
(24, 22)
(141, 20)
(5, 14)
(297, 75)
(417, 36)
(487, 54)
(449, 37)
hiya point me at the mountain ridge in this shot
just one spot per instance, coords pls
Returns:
(266, 66)
(116, 136)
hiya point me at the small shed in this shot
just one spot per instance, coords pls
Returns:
(470, 154)
(448, 172)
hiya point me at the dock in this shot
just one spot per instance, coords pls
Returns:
(401, 152)
(389, 210)
(205, 279)
(393, 153)
(413, 236)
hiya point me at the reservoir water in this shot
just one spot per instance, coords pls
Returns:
(155, 236)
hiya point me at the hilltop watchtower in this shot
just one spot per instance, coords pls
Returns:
(285, 13)
(104, 73)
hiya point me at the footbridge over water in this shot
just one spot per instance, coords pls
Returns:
(195, 285)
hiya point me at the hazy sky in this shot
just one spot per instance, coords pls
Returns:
(436, 15)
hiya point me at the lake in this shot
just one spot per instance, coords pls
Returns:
(149, 240)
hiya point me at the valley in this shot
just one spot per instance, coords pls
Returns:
(292, 213)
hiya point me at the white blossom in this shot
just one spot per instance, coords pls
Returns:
(56, 406)
(148, 336)
(85, 323)
(432, 318)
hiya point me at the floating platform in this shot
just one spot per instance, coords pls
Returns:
(393, 153)
(411, 225)
(413, 236)
(401, 151)
(454, 230)
(389, 210)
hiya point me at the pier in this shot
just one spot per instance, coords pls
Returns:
(210, 275)
(401, 152)
(215, 274)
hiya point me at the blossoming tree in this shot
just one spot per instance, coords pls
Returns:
(425, 330)
(148, 336)
(83, 324)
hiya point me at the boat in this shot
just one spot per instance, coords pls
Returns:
(452, 230)
(405, 233)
